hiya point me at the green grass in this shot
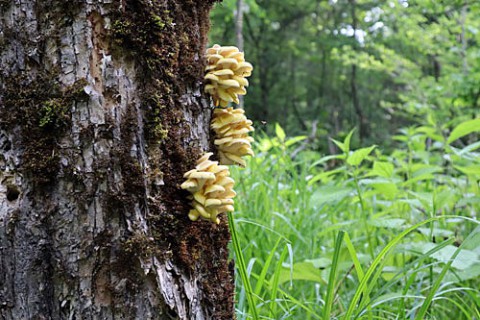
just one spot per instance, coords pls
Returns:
(359, 235)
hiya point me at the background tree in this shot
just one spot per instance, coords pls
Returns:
(101, 113)
(375, 65)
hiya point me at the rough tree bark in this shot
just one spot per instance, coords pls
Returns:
(101, 113)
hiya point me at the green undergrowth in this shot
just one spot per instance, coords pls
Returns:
(361, 234)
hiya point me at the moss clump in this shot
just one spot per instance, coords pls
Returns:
(40, 110)
(141, 245)
(159, 132)
(53, 113)
(158, 21)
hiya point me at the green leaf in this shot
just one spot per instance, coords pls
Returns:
(301, 271)
(330, 194)
(469, 170)
(324, 175)
(347, 140)
(279, 132)
(421, 170)
(426, 198)
(327, 158)
(389, 190)
(345, 145)
(382, 186)
(382, 169)
(359, 155)
(320, 263)
(464, 259)
(393, 223)
(473, 242)
(294, 140)
(471, 147)
(444, 198)
(472, 272)
(436, 232)
(463, 129)
(339, 144)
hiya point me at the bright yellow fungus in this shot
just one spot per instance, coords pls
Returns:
(211, 189)
(231, 131)
(226, 71)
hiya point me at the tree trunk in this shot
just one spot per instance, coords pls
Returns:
(101, 113)
(239, 34)
(239, 25)
(363, 122)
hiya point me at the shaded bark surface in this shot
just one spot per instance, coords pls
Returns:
(101, 113)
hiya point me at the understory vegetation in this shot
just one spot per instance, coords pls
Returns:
(363, 197)
(364, 233)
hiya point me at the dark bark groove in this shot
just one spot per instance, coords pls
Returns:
(101, 113)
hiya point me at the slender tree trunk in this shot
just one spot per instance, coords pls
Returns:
(363, 126)
(293, 96)
(239, 34)
(239, 25)
(101, 113)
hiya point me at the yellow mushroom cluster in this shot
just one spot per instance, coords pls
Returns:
(226, 71)
(211, 188)
(231, 132)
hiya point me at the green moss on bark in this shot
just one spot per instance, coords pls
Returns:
(159, 37)
(40, 110)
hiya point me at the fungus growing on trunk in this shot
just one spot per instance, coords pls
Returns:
(211, 188)
(226, 71)
(231, 131)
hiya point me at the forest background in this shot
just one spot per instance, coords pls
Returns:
(363, 198)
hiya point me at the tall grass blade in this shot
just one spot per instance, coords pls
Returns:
(274, 283)
(266, 266)
(242, 268)
(333, 276)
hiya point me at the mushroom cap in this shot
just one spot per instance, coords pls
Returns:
(228, 63)
(213, 58)
(201, 210)
(202, 175)
(211, 76)
(239, 56)
(237, 90)
(241, 80)
(199, 197)
(214, 49)
(224, 96)
(205, 157)
(193, 215)
(236, 159)
(229, 83)
(227, 50)
(188, 173)
(223, 72)
(213, 203)
(214, 188)
(189, 185)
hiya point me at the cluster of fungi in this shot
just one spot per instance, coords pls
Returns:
(209, 183)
